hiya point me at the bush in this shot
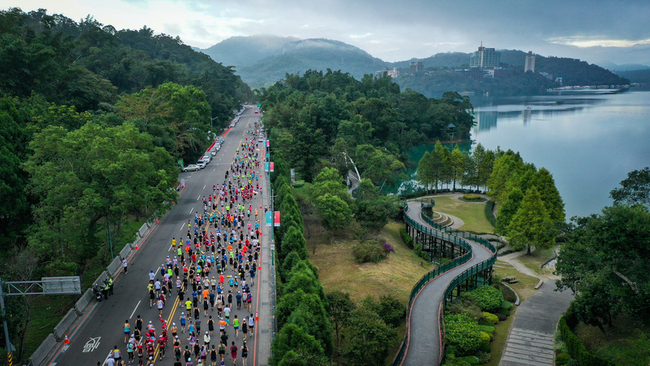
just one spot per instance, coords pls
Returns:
(472, 360)
(501, 317)
(486, 328)
(485, 347)
(490, 319)
(487, 298)
(562, 359)
(391, 310)
(463, 333)
(486, 337)
(417, 249)
(299, 184)
(406, 238)
(484, 357)
(506, 305)
(504, 312)
(369, 250)
(472, 197)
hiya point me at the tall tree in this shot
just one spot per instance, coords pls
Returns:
(530, 227)
(545, 183)
(508, 210)
(369, 339)
(635, 189)
(457, 165)
(425, 171)
(339, 308)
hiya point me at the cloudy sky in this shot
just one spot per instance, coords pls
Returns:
(593, 30)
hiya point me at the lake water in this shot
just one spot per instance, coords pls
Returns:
(589, 142)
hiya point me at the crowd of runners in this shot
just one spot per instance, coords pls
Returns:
(209, 276)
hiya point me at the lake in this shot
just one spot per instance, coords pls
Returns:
(588, 142)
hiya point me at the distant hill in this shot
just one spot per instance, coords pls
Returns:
(637, 76)
(263, 60)
(245, 51)
(624, 67)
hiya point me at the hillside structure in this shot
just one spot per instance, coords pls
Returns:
(530, 62)
(484, 58)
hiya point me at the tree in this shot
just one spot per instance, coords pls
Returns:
(293, 241)
(635, 189)
(335, 212)
(339, 308)
(442, 165)
(371, 209)
(369, 338)
(425, 170)
(90, 177)
(484, 160)
(293, 338)
(544, 182)
(530, 227)
(329, 181)
(508, 210)
(505, 168)
(456, 165)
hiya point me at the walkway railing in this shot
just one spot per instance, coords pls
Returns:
(456, 237)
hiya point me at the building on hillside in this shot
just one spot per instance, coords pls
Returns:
(530, 62)
(386, 72)
(485, 57)
(416, 67)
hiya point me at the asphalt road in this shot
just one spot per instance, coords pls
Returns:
(102, 326)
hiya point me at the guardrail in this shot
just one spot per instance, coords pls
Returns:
(455, 237)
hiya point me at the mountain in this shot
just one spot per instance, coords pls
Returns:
(624, 67)
(263, 60)
(245, 51)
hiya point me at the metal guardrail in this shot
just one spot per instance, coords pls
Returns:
(456, 237)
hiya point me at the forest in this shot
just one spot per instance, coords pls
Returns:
(94, 123)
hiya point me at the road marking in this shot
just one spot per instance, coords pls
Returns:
(199, 197)
(182, 225)
(135, 308)
(205, 184)
(106, 359)
(191, 209)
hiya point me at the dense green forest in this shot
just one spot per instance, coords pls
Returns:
(93, 122)
(320, 116)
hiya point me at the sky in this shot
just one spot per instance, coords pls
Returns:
(593, 30)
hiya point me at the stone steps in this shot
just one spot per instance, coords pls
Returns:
(530, 348)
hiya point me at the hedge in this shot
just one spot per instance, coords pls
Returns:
(575, 346)
(489, 213)
(406, 238)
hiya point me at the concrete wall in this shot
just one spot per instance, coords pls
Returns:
(115, 266)
(83, 302)
(125, 253)
(39, 356)
(65, 323)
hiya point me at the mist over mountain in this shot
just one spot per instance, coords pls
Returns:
(264, 59)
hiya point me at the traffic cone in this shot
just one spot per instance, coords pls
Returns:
(156, 221)
(257, 318)
(66, 341)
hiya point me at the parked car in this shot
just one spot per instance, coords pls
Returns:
(201, 164)
(191, 168)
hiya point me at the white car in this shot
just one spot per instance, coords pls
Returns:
(201, 164)
(191, 168)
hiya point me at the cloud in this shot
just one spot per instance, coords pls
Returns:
(385, 29)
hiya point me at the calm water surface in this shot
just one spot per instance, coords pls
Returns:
(589, 142)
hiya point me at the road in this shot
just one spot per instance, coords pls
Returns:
(101, 327)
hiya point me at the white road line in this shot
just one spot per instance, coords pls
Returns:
(199, 197)
(109, 355)
(205, 184)
(191, 209)
(134, 309)
(182, 226)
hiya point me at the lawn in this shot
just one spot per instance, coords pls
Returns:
(395, 275)
(526, 285)
(472, 214)
(536, 259)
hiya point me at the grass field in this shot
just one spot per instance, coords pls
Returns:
(472, 214)
(536, 259)
(394, 275)
(526, 285)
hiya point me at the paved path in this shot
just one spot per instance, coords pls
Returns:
(424, 329)
(531, 340)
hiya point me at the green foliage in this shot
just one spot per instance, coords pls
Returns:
(489, 213)
(371, 209)
(576, 349)
(293, 338)
(368, 338)
(484, 357)
(487, 328)
(508, 210)
(406, 238)
(487, 298)
(531, 225)
(472, 197)
(506, 305)
(391, 310)
(339, 308)
(472, 360)
(489, 318)
(334, 211)
(562, 359)
(368, 250)
(462, 333)
(486, 337)
(635, 189)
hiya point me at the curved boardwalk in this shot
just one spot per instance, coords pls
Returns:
(424, 331)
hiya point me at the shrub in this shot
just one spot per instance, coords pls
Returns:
(486, 328)
(472, 197)
(490, 319)
(487, 298)
(504, 312)
(368, 250)
(562, 359)
(485, 347)
(485, 337)
(463, 333)
(484, 357)
(501, 317)
(391, 310)
(472, 360)
(506, 305)
(417, 249)
(406, 238)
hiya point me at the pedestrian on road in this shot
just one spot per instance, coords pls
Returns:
(124, 265)
(206, 339)
(233, 353)
(244, 353)
(127, 330)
